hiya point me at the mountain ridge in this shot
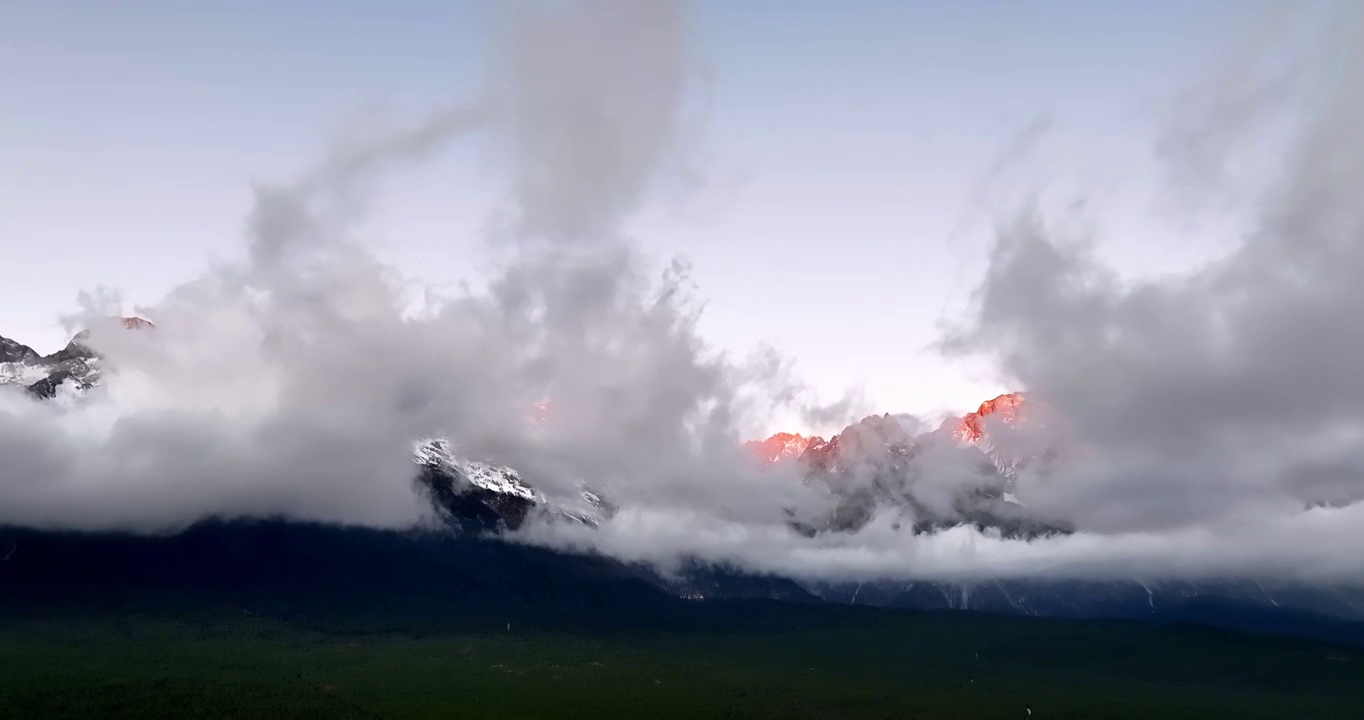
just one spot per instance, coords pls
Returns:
(75, 367)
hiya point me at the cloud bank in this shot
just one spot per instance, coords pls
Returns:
(1217, 417)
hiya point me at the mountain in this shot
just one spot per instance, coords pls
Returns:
(781, 447)
(995, 429)
(960, 473)
(963, 472)
(876, 466)
(15, 352)
(1092, 598)
(65, 374)
(1009, 408)
(483, 497)
(325, 574)
(979, 428)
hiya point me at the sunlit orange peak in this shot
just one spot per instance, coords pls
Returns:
(1007, 407)
(782, 446)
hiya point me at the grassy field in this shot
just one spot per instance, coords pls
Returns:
(874, 666)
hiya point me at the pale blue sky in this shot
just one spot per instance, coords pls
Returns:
(842, 144)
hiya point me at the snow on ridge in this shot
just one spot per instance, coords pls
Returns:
(21, 373)
(587, 507)
(436, 452)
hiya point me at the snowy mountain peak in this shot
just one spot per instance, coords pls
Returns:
(12, 351)
(436, 453)
(64, 375)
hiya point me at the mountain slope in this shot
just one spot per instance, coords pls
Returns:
(305, 571)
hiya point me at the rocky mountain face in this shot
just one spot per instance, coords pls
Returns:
(67, 372)
(12, 351)
(990, 429)
(481, 497)
(960, 473)
(957, 474)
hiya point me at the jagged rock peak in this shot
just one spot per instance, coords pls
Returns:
(12, 351)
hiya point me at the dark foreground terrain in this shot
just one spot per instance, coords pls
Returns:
(272, 619)
(873, 665)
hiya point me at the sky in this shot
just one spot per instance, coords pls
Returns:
(843, 165)
(686, 226)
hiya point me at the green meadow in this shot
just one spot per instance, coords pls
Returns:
(230, 664)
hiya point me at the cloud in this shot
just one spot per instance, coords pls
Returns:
(293, 382)
(1213, 421)
(591, 95)
(1228, 395)
(1224, 119)
(1308, 548)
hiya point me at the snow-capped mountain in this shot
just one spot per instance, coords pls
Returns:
(435, 453)
(781, 447)
(63, 375)
(961, 473)
(992, 428)
(482, 496)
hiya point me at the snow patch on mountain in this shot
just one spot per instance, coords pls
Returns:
(588, 507)
(22, 373)
(436, 453)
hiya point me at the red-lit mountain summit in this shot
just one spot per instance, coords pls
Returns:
(974, 428)
(1007, 408)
